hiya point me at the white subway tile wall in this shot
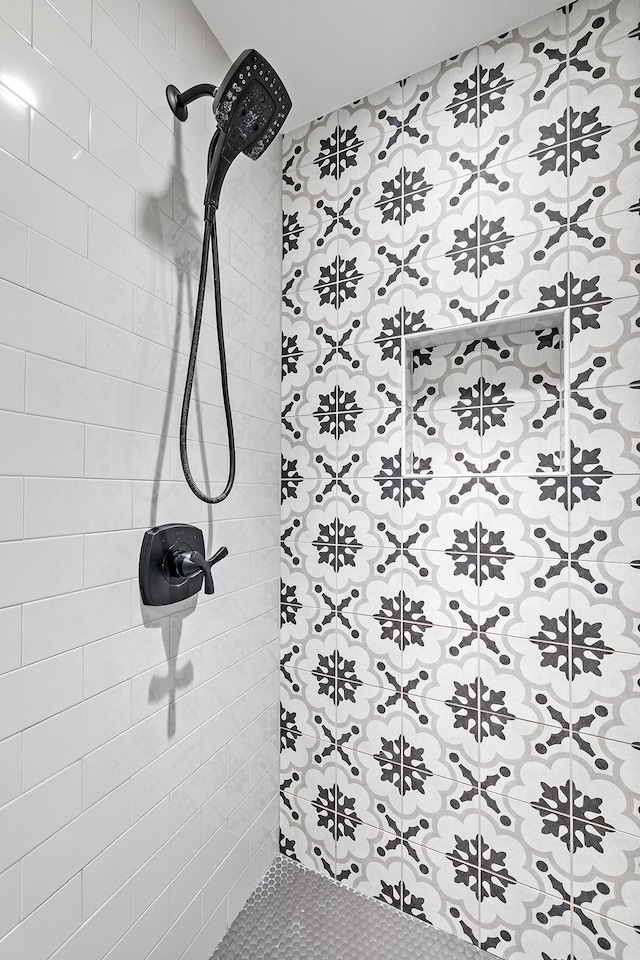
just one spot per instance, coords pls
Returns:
(138, 747)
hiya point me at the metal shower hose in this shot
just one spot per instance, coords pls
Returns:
(210, 238)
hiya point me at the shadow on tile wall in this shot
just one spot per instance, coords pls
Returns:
(461, 652)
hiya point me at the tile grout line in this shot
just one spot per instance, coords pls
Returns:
(569, 467)
(477, 496)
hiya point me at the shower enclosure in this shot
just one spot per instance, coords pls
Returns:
(320, 605)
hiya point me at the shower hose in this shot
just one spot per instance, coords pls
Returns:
(209, 240)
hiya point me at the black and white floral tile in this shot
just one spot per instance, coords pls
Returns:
(461, 646)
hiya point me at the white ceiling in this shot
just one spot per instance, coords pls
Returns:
(331, 52)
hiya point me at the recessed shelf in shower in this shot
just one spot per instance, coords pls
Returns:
(487, 398)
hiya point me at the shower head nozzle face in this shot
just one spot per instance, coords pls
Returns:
(251, 105)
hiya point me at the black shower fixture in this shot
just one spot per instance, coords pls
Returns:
(178, 101)
(250, 106)
(173, 565)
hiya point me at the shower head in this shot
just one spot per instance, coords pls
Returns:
(250, 106)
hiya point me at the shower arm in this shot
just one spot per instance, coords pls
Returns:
(178, 101)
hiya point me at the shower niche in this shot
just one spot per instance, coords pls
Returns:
(487, 398)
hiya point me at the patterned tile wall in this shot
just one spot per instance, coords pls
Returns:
(461, 650)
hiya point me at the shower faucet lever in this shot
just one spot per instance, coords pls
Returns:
(219, 555)
(189, 562)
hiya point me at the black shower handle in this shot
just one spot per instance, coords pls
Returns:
(188, 563)
(220, 554)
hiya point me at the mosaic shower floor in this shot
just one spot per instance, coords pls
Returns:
(296, 914)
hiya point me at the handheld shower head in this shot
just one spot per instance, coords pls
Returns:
(250, 106)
